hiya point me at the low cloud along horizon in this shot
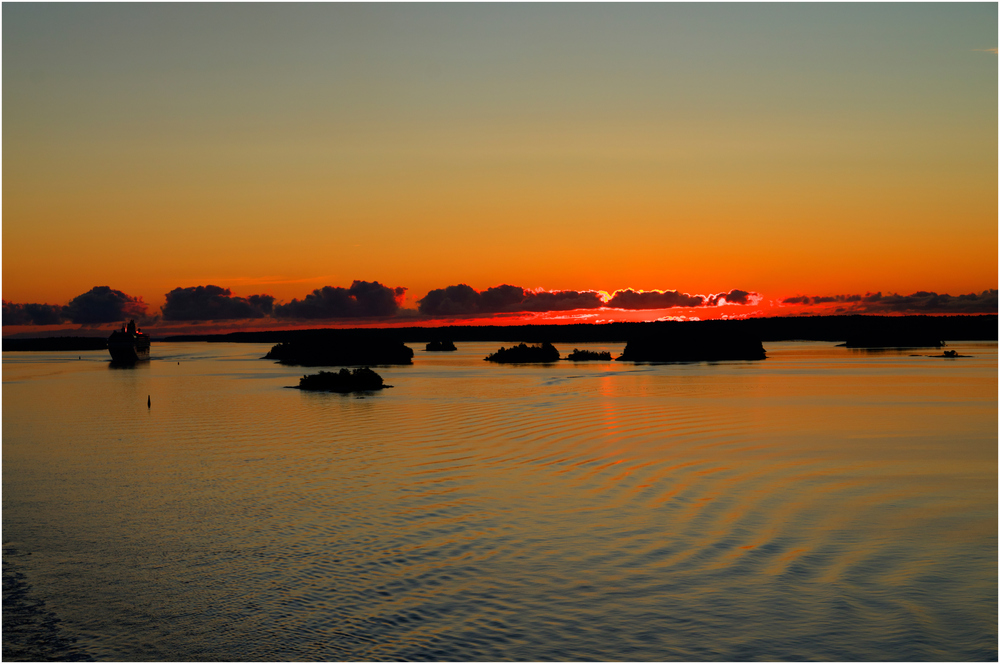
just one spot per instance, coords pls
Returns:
(99, 305)
(921, 302)
(373, 300)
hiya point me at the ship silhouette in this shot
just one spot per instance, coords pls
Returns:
(128, 345)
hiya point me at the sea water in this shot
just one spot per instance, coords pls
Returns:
(821, 504)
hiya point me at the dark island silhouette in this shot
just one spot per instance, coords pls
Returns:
(689, 345)
(835, 329)
(889, 331)
(588, 355)
(524, 354)
(343, 381)
(348, 352)
(440, 346)
(950, 354)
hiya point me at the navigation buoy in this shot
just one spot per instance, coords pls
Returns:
(149, 402)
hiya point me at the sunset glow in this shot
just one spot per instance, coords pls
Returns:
(786, 151)
(500, 332)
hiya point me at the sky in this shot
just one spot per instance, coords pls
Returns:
(808, 155)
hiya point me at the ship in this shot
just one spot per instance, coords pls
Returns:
(128, 345)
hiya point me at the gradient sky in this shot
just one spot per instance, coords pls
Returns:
(783, 149)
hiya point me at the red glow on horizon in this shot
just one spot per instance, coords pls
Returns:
(720, 309)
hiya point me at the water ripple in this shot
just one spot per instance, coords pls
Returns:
(732, 511)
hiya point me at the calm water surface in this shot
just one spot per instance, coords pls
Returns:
(821, 504)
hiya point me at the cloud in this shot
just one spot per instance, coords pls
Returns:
(263, 302)
(630, 299)
(987, 50)
(821, 299)
(734, 296)
(562, 300)
(362, 299)
(102, 304)
(921, 302)
(462, 299)
(214, 303)
(31, 314)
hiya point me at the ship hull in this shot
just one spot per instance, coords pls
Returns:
(125, 352)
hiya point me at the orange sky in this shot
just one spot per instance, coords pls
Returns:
(785, 150)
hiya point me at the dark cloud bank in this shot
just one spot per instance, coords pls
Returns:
(103, 305)
(99, 305)
(465, 300)
(363, 299)
(211, 303)
(630, 299)
(214, 303)
(31, 314)
(921, 302)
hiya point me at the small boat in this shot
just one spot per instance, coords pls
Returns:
(129, 344)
